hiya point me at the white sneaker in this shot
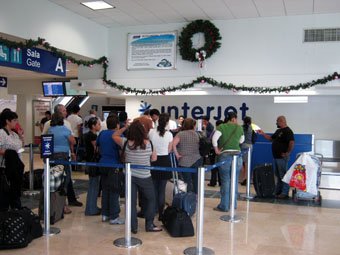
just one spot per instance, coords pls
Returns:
(117, 221)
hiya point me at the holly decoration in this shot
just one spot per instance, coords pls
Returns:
(163, 91)
(211, 36)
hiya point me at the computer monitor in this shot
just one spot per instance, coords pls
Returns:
(53, 88)
(73, 92)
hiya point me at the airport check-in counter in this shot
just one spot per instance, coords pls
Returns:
(330, 149)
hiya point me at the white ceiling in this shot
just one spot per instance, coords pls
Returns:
(148, 12)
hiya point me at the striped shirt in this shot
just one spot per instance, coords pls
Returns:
(138, 157)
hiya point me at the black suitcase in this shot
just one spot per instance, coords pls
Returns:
(264, 183)
(177, 222)
(37, 179)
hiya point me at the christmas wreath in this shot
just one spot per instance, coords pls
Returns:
(211, 36)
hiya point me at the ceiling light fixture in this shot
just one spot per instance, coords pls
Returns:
(290, 100)
(97, 5)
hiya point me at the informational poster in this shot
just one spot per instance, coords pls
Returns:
(39, 109)
(152, 51)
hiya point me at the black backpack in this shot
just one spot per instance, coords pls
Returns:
(204, 145)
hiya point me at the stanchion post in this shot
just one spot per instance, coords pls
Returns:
(199, 249)
(31, 167)
(48, 231)
(31, 190)
(127, 241)
(232, 217)
(247, 195)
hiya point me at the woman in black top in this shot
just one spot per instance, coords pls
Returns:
(90, 147)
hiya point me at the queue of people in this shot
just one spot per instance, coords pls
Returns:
(148, 140)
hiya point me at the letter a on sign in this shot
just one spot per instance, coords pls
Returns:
(59, 66)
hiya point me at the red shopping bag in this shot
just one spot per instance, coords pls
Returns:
(298, 179)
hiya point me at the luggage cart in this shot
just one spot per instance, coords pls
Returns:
(299, 195)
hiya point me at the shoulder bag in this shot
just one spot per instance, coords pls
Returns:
(234, 131)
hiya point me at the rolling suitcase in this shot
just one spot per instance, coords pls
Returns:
(184, 200)
(264, 183)
(57, 203)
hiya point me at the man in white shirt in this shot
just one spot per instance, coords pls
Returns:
(76, 122)
(58, 108)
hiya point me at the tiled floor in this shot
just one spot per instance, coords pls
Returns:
(267, 228)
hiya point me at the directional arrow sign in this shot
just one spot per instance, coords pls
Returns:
(3, 82)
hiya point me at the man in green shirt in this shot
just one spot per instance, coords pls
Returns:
(226, 142)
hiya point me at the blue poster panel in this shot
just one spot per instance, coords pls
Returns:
(33, 59)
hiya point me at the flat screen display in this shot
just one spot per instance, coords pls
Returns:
(73, 92)
(53, 88)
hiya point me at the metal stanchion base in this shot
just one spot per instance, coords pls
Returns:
(53, 231)
(244, 196)
(234, 219)
(122, 242)
(194, 251)
(31, 192)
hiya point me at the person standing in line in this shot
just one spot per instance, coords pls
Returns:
(44, 120)
(92, 113)
(63, 140)
(139, 151)
(212, 157)
(282, 145)
(154, 114)
(226, 141)
(11, 144)
(162, 140)
(76, 123)
(90, 148)
(109, 151)
(146, 121)
(186, 149)
(248, 134)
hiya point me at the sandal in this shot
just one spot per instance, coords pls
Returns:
(67, 210)
(153, 228)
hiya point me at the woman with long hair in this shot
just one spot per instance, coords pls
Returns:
(63, 139)
(162, 140)
(11, 143)
(90, 138)
(139, 151)
(186, 149)
(248, 133)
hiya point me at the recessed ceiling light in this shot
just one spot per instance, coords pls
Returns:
(97, 5)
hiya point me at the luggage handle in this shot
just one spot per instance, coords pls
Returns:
(174, 173)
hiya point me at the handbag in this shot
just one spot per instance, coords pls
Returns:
(115, 180)
(177, 222)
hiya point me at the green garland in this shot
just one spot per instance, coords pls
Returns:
(223, 85)
(41, 42)
(211, 36)
(198, 80)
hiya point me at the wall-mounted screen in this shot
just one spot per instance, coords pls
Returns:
(73, 92)
(53, 88)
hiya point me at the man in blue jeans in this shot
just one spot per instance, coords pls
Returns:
(282, 145)
(226, 141)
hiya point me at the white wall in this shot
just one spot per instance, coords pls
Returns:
(254, 52)
(62, 28)
(318, 116)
